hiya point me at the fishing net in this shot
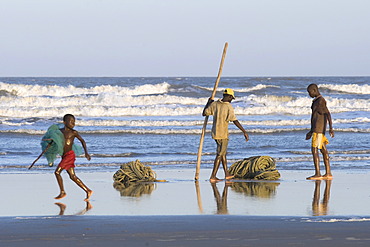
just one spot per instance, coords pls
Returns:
(256, 167)
(133, 172)
(55, 137)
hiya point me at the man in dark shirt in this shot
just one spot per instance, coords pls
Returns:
(319, 119)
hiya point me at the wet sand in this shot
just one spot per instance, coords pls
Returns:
(32, 194)
(180, 212)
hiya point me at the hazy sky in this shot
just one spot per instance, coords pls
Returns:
(184, 37)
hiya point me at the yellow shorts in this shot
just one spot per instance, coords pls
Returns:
(318, 139)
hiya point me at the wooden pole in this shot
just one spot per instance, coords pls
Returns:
(206, 118)
(47, 147)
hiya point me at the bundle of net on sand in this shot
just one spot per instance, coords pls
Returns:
(133, 172)
(256, 167)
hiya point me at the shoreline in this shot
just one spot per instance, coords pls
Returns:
(215, 230)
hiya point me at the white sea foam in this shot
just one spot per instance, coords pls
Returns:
(36, 217)
(332, 158)
(24, 90)
(255, 88)
(146, 100)
(366, 151)
(171, 131)
(245, 89)
(188, 123)
(348, 88)
(157, 123)
(52, 108)
(337, 220)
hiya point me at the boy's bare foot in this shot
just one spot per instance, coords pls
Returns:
(315, 177)
(214, 180)
(327, 177)
(229, 177)
(88, 194)
(61, 195)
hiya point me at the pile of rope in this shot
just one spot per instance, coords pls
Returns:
(133, 172)
(256, 167)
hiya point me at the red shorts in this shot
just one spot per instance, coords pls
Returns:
(68, 160)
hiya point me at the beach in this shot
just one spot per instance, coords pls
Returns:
(128, 82)
(158, 121)
(182, 212)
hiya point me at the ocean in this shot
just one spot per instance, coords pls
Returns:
(158, 120)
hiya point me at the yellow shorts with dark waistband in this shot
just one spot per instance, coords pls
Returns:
(318, 139)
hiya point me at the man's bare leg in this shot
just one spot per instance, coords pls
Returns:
(224, 166)
(216, 165)
(325, 154)
(316, 161)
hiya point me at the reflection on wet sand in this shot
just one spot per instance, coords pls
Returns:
(135, 189)
(253, 189)
(199, 197)
(256, 189)
(221, 201)
(62, 208)
(321, 208)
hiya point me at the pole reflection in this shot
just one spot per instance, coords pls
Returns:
(199, 197)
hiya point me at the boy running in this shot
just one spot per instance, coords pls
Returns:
(69, 157)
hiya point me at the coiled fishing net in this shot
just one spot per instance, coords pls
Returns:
(134, 171)
(256, 167)
(55, 137)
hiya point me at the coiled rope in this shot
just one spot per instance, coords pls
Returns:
(256, 167)
(134, 171)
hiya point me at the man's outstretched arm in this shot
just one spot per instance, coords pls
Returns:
(237, 124)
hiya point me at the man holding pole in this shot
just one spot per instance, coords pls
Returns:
(223, 113)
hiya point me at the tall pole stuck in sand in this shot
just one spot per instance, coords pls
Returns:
(206, 118)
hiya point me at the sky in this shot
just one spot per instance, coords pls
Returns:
(184, 37)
